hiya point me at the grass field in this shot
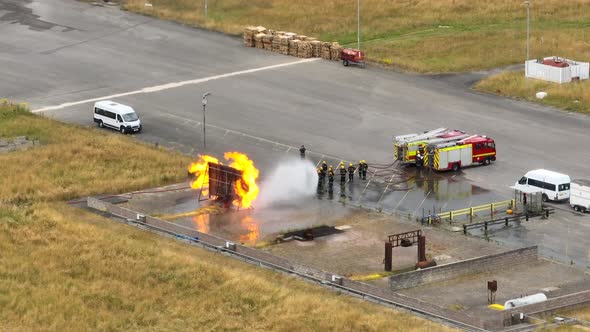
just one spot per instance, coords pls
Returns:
(571, 96)
(424, 36)
(417, 35)
(62, 268)
(581, 313)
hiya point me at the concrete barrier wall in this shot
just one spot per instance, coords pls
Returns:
(470, 266)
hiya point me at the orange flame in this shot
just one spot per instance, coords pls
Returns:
(245, 188)
(200, 170)
(253, 231)
(202, 223)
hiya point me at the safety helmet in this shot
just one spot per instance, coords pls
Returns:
(341, 166)
(323, 162)
(331, 166)
(350, 164)
(364, 161)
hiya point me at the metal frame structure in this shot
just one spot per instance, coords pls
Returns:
(406, 239)
(221, 184)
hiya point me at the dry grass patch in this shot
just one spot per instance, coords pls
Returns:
(62, 268)
(573, 96)
(580, 313)
(417, 35)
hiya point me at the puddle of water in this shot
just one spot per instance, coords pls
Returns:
(261, 224)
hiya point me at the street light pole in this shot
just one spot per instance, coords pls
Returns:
(358, 23)
(206, 7)
(204, 101)
(528, 28)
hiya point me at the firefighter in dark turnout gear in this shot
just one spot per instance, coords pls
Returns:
(324, 166)
(322, 174)
(330, 179)
(363, 167)
(351, 170)
(302, 151)
(342, 174)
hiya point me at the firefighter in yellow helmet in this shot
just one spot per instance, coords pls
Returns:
(363, 167)
(342, 174)
(351, 170)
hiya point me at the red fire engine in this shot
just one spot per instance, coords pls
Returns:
(465, 152)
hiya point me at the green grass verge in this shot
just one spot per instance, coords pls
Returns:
(62, 268)
(573, 96)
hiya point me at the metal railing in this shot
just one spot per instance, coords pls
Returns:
(471, 212)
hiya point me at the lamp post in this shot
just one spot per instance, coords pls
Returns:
(204, 101)
(358, 24)
(528, 27)
(206, 7)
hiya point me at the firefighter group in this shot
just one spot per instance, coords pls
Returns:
(328, 171)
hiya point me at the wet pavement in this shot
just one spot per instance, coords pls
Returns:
(562, 237)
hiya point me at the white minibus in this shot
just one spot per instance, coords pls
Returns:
(116, 116)
(554, 186)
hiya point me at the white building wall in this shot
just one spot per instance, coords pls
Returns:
(536, 70)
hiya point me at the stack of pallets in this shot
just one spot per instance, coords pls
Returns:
(258, 40)
(325, 50)
(276, 43)
(316, 47)
(267, 41)
(289, 43)
(249, 33)
(335, 49)
(304, 50)
(284, 44)
(293, 47)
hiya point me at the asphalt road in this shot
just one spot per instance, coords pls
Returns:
(60, 51)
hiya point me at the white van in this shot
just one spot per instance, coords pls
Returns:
(117, 116)
(554, 186)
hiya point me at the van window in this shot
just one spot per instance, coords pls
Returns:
(478, 146)
(522, 180)
(119, 118)
(98, 111)
(549, 186)
(109, 114)
(563, 187)
(130, 117)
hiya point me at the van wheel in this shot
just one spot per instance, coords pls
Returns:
(100, 124)
(455, 167)
(123, 131)
(576, 208)
(545, 198)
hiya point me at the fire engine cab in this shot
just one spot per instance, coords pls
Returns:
(465, 152)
